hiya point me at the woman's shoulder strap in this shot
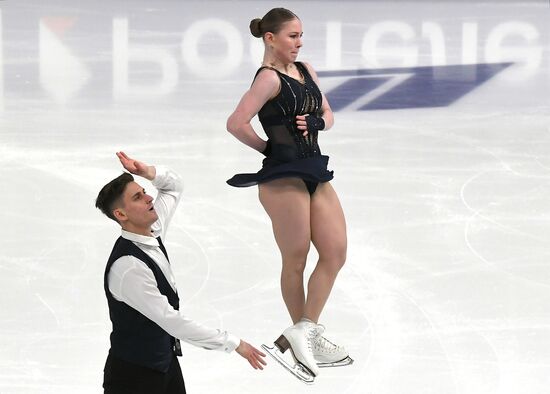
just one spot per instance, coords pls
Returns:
(303, 69)
(263, 68)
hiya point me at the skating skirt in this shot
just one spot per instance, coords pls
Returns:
(311, 169)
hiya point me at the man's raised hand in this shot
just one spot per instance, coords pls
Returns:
(136, 167)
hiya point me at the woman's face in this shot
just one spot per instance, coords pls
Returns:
(288, 41)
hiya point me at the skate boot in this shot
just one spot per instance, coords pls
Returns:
(326, 353)
(298, 338)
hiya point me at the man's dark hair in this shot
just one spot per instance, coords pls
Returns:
(111, 193)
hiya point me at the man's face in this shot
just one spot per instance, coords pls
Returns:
(136, 211)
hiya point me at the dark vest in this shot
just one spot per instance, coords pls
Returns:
(135, 338)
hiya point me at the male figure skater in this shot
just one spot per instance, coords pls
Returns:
(141, 290)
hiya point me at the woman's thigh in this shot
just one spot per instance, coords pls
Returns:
(328, 224)
(287, 203)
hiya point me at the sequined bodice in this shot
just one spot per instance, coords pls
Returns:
(278, 117)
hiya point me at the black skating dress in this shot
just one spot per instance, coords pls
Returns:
(292, 154)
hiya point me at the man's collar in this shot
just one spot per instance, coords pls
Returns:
(142, 239)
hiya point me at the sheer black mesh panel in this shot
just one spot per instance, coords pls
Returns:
(278, 117)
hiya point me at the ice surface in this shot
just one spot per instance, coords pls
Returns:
(447, 283)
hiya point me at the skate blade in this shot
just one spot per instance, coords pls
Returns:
(297, 370)
(342, 363)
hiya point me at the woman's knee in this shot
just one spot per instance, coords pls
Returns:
(293, 268)
(294, 261)
(334, 260)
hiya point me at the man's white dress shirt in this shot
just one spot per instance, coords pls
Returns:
(132, 282)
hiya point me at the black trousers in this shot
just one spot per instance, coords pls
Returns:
(122, 377)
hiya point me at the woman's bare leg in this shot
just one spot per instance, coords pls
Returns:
(287, 203)
(328, 233)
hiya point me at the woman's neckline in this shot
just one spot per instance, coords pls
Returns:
(301, 82)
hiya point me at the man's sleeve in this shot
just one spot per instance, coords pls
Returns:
(170, 187)
(131, 282)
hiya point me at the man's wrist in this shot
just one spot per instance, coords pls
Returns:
(151, 173)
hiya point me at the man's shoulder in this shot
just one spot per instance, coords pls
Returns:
(124, 250)
(127, 262)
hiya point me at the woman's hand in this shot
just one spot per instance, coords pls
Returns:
(302, 124)
(309, 123)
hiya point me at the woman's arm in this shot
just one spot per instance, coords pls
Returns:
(265, 86)
(326, 111)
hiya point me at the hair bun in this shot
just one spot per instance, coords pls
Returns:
(255, 27)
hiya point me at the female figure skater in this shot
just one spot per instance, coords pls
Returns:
(294, 186)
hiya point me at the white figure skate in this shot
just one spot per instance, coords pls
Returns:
(326, 353)
(298, 338)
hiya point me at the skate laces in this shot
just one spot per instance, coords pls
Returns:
(319, 330)
(324, 345)
(312, 337)
(311, 334)
(320, 343)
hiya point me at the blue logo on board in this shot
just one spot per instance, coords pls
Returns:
(400, 88)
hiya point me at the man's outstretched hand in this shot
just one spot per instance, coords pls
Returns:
(136, 167)
(253, 355)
